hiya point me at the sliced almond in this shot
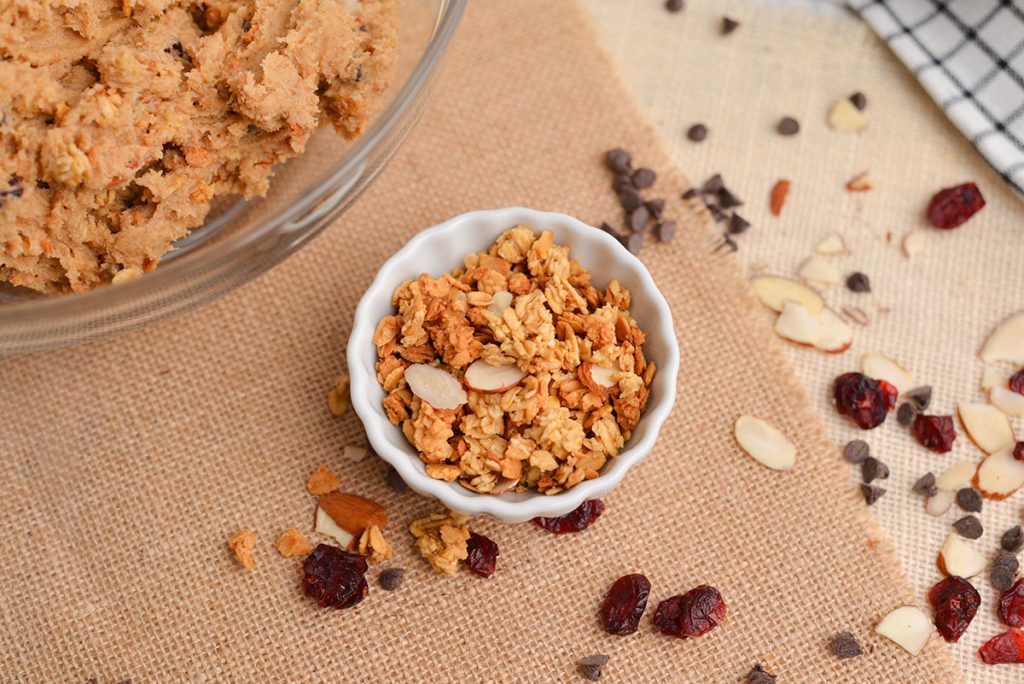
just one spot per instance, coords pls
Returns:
(354, 453)
(483, 377)
(1007, 401)
(818, 270)
(940, 503)
(957, 558)
(956, 476)
(505, 484)
(597, 379)
(1006, 341)
(832, 245)
(913, 243)
(990, 377)
(986, 425)
(836, 336)
(500, 300)
(907, 627)
(326, 526)
(844, 116)
(824, 331)
(883, 368)
(860, 183)
(353, 513)
(435, 386)
(764, 443)
(774, 291)
(999, 475)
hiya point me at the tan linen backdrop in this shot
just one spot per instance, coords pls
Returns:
(930, 313)
(126, 464)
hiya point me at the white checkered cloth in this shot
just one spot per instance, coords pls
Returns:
(969, 56)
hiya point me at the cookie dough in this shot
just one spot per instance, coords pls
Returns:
(121, 120)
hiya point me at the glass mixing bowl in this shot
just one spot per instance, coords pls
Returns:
(243, 239)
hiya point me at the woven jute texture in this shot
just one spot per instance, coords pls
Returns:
(127, 464)
(930, 313)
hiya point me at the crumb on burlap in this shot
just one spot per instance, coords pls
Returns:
(322, 481)
(339, 400)
(242, 545)
(373, 545)
(293, 543)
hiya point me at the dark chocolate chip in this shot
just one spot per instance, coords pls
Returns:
(1013, 539)
(729, 25)
(629, 200)
(717, 213)
(858, 282)
(635, 242)
(727, 200)
(727, 243)
(622, 184)
(656, 207)
(969, 500)
(665, 231)
(925, 485)
(873, 469)
(690, 194)
(619, 161)
(639, 218)
(859, 100)
(871, 493)
(395, 481)
(969, 527)
(758, 675)
(738, 224)
(844, 645)
(856, 451)
(713, 185)
(905, 414)
(674, 5)
(391, 578)
(697, 132)
(644, 178)
(788, 126)
(1002, 578)
(592, 667)
(920, 396)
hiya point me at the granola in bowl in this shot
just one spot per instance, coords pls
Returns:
(513, 372)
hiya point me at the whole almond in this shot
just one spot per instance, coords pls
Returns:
(353, 513)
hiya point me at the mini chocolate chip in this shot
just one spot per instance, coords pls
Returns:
(716, 213)
(619, 161)
(644, 178)
(395, 481)
(921, 396)
(758, 675)
(873, 469)
(729, 25)
(738, 224)
(905, 414)
(629, 200)
(788, 126)
(656, 207)
(844, 645)
(674, 5)
(1005, 559)
(925, 485)
(1001, 578)
(622, 184)
(859, 100)
(871, 493)
(856, 451)
(639, 218)
(1012, 539)
(858, 282)
(591, 667)
(727, 200)
(697, 132)
(727, 243)
(665, 231)
(969, 500)
(690, 194)
(391, 578)
(969, 527)
(713, 185)
(635, 242)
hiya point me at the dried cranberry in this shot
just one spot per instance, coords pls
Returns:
(1017, 381)
(860, 398)
(625, 604)
(1018, 451)
(1011, 605)
(580, 518)
(1007, 647)
(951, 207)
(934, 432)
(889, 393)
(333, 577)
(692, 614)
(955, 601)
(483, 555)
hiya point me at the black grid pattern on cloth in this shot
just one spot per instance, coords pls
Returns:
(969, 56)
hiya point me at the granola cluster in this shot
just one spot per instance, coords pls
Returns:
(583, 381)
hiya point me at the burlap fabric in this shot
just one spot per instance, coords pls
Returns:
(941, 305)
(126, 464)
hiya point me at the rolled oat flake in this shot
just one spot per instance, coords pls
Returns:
(856, 451)
(1012, 539)
(844, 645)
(905, 414)
(969, 500)
(592, 666)
(968, 527)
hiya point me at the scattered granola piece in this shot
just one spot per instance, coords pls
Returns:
(778, 197)
(338, 399)
(592, 667)
(322, 481)
(391, 579)
(441, 538)
(242, 544)
(844, 645)
(373, 545)
(293, 543)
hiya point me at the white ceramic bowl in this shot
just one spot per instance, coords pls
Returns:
(442, 248)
